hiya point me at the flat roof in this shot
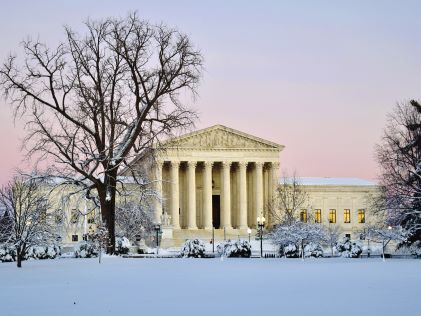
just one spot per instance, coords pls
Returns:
(334, 181)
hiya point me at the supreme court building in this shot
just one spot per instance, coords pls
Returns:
(224, 179)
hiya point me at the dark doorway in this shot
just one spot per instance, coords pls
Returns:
(216, 211)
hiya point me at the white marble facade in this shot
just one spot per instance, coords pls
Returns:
(216, 177)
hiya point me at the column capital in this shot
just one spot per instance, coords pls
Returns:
(208, 164)
(258, 164)
(226, 163)
(276, 164)
(192, 164)
(243, 164)
(175, 163)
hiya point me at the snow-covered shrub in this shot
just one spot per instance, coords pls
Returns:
(194, 248)
(289, 251)
(43, 252)
(7, 253)
(313, 250)
(85, 249)
(122, 246)
(348, 248)
(235, 249)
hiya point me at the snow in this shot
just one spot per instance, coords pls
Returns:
(334, 181)
(244, 287)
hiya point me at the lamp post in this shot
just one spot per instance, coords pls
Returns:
(249, 232)
(158, 232)
(261, 224)
(213, 239)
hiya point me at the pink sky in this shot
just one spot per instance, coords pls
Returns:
(316, 77)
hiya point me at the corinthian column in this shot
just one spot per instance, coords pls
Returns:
(158, 190)
(242, 223)
(175, 203)
(258, 191)
(226, 194)
(207, 195)
(191, 187)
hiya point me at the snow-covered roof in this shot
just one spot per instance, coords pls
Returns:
(334, 181)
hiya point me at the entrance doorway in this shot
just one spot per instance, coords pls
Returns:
(216, 211)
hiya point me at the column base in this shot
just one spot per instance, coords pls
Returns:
(192, 227)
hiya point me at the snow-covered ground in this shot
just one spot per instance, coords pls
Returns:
(211, 287)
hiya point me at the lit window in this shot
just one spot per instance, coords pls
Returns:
(75, 237)
(303, 216)
(347, 216)
(318, 216)
(332, 216)
(361, 216)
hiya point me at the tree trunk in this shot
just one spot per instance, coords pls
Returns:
(107, 196)
(19, 258)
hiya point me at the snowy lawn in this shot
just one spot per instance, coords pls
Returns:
(211, 287)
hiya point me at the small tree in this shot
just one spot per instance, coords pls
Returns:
(290, 197)
(299, 234)
(333, 232)
(100, 238)
(385, 234)
(29, 223)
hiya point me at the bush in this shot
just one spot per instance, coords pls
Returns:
(313, 250)
(43, 252)
(235, 249)
(194, 248)
(7, 253)
(85, 249)
(348, 248)
(122, 246)
(290, 251)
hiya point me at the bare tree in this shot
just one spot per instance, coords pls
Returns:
(97, 100)
(399, 156)
(289, 198)
(29, 224)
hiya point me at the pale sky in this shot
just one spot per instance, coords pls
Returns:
(315, 76)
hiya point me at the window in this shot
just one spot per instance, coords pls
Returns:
(348, 236)
(75, 238)
(91, 217)
(318, 216)
(361, 216)
(332, 216)
(347, 216)
(303, 216)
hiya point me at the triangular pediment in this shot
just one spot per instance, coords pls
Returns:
(220, 137)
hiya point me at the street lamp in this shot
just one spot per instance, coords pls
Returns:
(261, 224)
(158, 232)
(249, 232)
